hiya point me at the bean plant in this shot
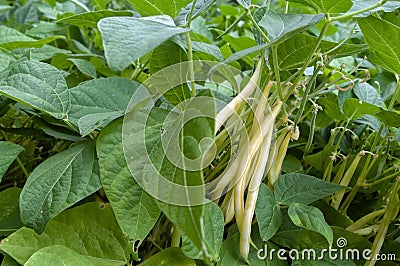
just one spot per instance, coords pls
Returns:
(199, 132)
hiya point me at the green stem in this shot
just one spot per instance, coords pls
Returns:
(255, 24)
(391, 212)
(382, 180)
(310, 57)
(191, 14)
(305, 96)
(352, 14)
(191, 66)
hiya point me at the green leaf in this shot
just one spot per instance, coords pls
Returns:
(159, 7)
(201, 6)
(127, 39)
(57, 184)
(169, 256)
(162, 170)
(167, 54)
(187, 218)
(90, 230)
(281, 27)
(293, 52)
(97, 102)
(57, 255)
(383, 40)
(84, 66)
(244, 53)
(4, 61)
(390, 118)
(354, 108)
(213, 234)
(327, 6)
(38, 85)
(310, 218)
(90, 19)
(9, 152)
(9, 211)
(331, 108)
(302, 188)
(268, 213)
(12, 39)
(244, 3)
(358, 5)
(367, 93)
(135, 210)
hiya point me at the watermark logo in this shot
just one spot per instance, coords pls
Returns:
(339, 253)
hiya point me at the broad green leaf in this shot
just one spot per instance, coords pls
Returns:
(245, 48)
(268, 213)
(165, 172)
(354, 108)
(367, 93)
(358, 5)
(57, 255)
(383, 40)
(9, 152)
(57, 184)
(127, 39)
(38, 85)
(169, 256)
(9, 211)
(327, 6)
(187, 218)
(159, 7)
(90, 19)
(293, 52)
(244, 53)
(97, 102)
(12, 39)
(167, 54)
(4, 61)
(244, 3)
(203, 47)
(135, 211)
(302, 188)
(390, 118)
(201, 6)
(332, 216)
(310, 218)
(331, 108)
(44, 29)
(213, 234)
(84, 66)
(90, 230)
(281, 27)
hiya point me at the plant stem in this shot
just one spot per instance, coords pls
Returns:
(191, 66)
(352, 14)
(391, 212)
(255, 24)
(310, 57)
(278, 76)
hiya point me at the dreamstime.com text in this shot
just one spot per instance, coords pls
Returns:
(340, 253)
